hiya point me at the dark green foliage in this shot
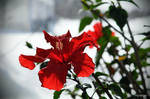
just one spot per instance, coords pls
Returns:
(100, 74)
(131, 1)
(96, 14)
(115, 41)
(98, 1)
(116, 90)
(134, 74)
(29, 45)
(44, 64)
(146, 34)
(84, 22)
(103, 97)
(57, 94)
(103, 41)
(84, 95)
(119, 15)
(124, 83)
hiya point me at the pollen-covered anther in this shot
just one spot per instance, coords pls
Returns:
(59, 45)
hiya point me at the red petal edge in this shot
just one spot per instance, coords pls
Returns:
(83, 64)
(26, 63)
(53, 76)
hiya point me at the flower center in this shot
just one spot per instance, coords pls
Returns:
(59, 45)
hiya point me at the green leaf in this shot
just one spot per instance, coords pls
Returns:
(57, 94)
(29, 45)
(107, 32)
(115, 40)
(98, 0)
(119, 15)
(103, 42)
(96, 13)
(135, 74)
(124, 83)
(116, 90)
(79, 86)
(100, 74)
(131, 1)
(85, 7)
(139, 82)
(128, 47)
(146, 34)
(84, 22)
(85, 96)
(102, 97)
(44, 64)
(87, 85)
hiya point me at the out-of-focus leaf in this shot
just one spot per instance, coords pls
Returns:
(115, 40)
(84, 22)
(128, 47)
(96, 13)
(139, 82)
(107, 32)
(44, 64)
(144, 63)
(98, 0)
(103, 44)
(134, 74)
(57, 94)
(79, 86)
(131, 1)
(124, 83)
(85, 7)
(103, 41)
(116, 90)
(100, 74)
(146, 34)
(87, 85)
(119, 15)
(29, 45)
(69, 75)
(102, 97)
(84, 96)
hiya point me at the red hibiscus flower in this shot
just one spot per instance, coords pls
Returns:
(97, 33)
(66, 52)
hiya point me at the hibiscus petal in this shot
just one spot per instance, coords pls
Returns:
(98, 27)
(34, 58)
(50, 39)
(80, 42)
(55, 55)
(26, 63)
(83, 64)
(65, 36)
(53, 76)
(43, 52)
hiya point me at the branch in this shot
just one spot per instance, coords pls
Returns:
(105, 89)
(138, 60)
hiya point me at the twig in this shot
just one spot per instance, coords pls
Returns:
(138, 61)
(105, 89)
(78, 82)
(130, 78)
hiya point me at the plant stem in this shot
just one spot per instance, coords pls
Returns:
(78, 82)
(138, 60)
(105, 89)
(129, 76)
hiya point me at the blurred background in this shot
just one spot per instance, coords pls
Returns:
(24, 20)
